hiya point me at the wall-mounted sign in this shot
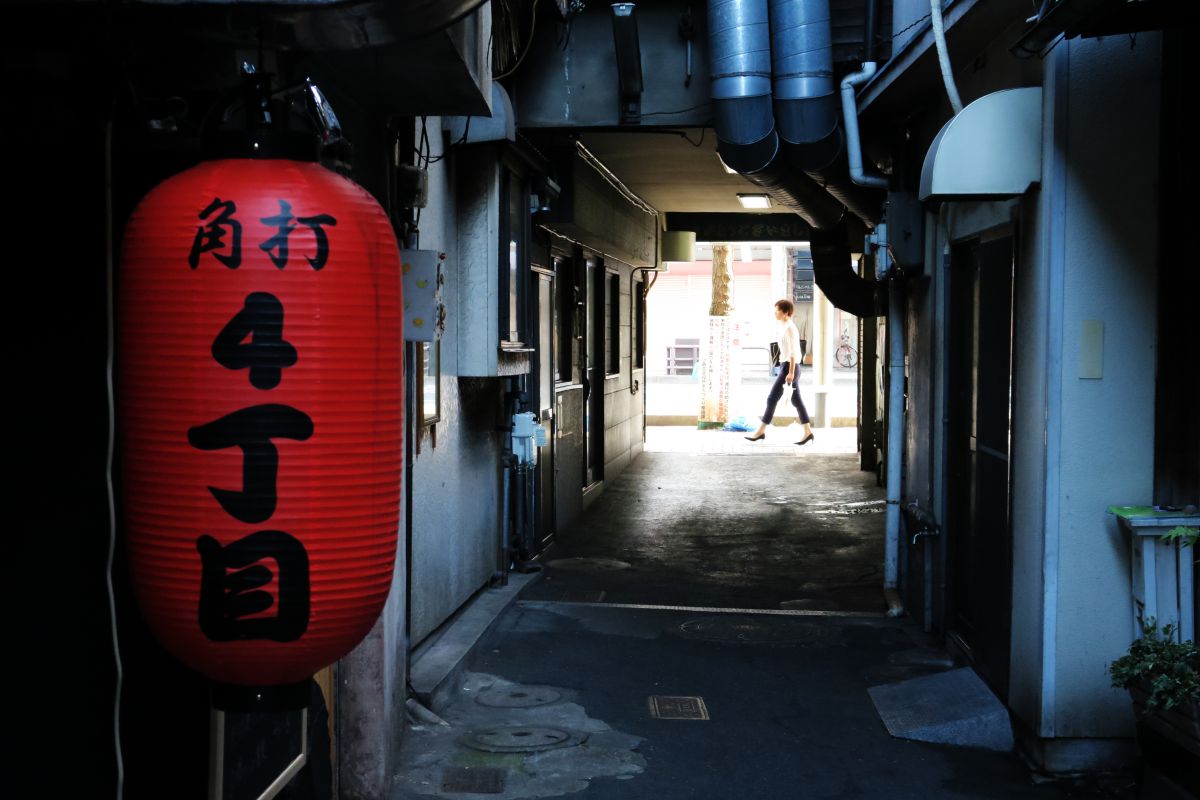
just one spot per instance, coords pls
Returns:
(802, 279)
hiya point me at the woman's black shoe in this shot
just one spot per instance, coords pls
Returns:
(806, 439)
(762, 435)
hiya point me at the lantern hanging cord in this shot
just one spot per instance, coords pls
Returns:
(108, 468)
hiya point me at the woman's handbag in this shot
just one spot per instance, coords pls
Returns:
(774, 347)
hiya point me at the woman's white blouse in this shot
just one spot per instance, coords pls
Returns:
(789, 342)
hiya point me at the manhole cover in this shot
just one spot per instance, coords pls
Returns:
(598, 564)
(518, 697)
(520, 739)
(473, 780)
(754, 630)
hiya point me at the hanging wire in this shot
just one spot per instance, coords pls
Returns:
(919, 21)
(677, 111)
(689, 139)
(528, 44)
(108, 464)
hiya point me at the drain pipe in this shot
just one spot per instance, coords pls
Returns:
(506, 538)
(850, 120)
(926, 528)
(877, 242)
(895, 443)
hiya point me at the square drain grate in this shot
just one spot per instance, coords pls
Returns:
(664, 707)
(473, 780)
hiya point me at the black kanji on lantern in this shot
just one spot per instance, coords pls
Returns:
(267, 353)
(232, 594)
(277, 246)
(211, 235)
(252, 429)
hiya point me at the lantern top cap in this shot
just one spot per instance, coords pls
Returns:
(252, 121)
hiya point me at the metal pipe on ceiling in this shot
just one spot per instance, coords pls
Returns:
(744, 112)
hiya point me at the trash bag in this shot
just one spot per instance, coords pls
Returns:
(738, 424)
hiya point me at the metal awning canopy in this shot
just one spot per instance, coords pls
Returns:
(991, 150)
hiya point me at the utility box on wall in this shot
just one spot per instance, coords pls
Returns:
(421, 276)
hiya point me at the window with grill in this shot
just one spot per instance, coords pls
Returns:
(639, 325)
(612, 323)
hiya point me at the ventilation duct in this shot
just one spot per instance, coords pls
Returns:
(740, 44)
(806, 108)
(744, 113)
(807, 105)
(841, 285)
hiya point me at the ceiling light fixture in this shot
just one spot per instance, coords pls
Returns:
(754, 200)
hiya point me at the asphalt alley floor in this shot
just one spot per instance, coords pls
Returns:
(707, 587)
(772, 526)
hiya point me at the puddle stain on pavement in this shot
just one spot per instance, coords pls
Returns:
(595, 751)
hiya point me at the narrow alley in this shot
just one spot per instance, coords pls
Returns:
(711, 628)
(670, 399)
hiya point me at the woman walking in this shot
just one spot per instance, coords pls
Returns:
(789, 373)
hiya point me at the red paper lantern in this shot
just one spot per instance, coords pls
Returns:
(261, 414)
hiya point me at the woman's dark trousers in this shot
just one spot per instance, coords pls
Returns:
(777, 393)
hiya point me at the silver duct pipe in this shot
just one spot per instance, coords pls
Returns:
(740, 44)
(802, 67)
(740, 52)
(740, 41)
(807, 108)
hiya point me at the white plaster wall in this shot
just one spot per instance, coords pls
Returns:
(1107, 425)
(454, 548)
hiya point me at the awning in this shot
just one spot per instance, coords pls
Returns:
(990, 150)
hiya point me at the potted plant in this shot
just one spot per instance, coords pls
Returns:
(1185, 536)
(1162, 676)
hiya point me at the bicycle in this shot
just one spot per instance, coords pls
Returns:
(845, 355)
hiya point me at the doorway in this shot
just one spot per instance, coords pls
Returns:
(979, 468)
(593, 383)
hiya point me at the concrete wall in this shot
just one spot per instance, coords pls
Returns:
(471, 228)
(921, 432)
(624, 402)
(1085, 251)
(1034, 354)
(1107, 424)
(454, 543)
